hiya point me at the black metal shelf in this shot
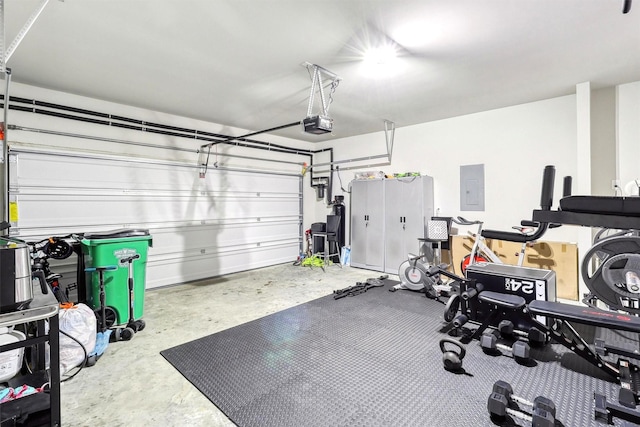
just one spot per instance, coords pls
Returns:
(44, 307)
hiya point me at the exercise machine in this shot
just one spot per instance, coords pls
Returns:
(612, 282)
(414, 275)
(482, 253)
(414, 272)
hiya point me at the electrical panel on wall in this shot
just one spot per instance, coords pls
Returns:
(472, 188)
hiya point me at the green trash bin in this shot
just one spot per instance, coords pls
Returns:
(108, 249)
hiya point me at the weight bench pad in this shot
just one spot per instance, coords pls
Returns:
(513, 302)
(585, 315)
(604, 205)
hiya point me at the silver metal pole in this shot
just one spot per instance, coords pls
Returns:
(389, 133)
(262, 159)
(348, 168)
(99, 138)
(5, 149)
(2, 38)
(25, 29)
(339, 162)
(313, 90)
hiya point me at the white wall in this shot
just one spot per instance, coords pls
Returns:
(514, 144)
(582, 178)
(603, 141)
(628, 136)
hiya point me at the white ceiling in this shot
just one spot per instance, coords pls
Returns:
(238, 62)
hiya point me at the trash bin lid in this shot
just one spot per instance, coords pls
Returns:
(116, 234)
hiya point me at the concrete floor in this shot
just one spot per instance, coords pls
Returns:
(133, 385)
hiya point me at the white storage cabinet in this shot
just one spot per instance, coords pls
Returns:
(387, 218)
(408, 207)
(367, 224)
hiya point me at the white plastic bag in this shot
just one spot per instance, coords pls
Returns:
(80, 323)
(345, 255)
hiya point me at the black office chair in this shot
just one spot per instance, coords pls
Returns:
(330, 236)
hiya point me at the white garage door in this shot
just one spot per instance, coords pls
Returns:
(228, 221)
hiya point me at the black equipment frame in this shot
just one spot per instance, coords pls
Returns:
(560, 330)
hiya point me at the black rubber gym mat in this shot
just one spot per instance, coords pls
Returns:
(371, 360)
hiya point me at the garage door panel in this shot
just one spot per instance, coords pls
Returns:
(229, 221)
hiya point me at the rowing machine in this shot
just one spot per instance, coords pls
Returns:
(416, 276)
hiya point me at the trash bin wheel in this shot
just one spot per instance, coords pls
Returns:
(110, 317)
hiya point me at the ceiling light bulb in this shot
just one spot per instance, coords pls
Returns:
(381, 62)
(380, 55)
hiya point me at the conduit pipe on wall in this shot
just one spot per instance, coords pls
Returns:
(140, 144)
(212, 138)
(94, 117)
(139, 125)
(47, 108)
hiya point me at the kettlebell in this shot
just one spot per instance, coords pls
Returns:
(452, 359)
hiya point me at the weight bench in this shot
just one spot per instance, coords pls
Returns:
(499, 303)
(590, 211)
(585, 315)
(625, 372)
(594, 211)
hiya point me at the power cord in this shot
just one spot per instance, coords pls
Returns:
(84, 362)
(340, 179)
(616, 189)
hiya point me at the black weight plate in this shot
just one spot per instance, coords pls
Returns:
(451, 309)
(622, 272)
(601, 252)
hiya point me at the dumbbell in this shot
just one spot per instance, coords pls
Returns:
(502, 400)
(535, 336)
(520, 350)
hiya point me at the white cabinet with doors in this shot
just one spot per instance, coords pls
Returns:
(367, 224)
(408, 207)
(387, 218)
